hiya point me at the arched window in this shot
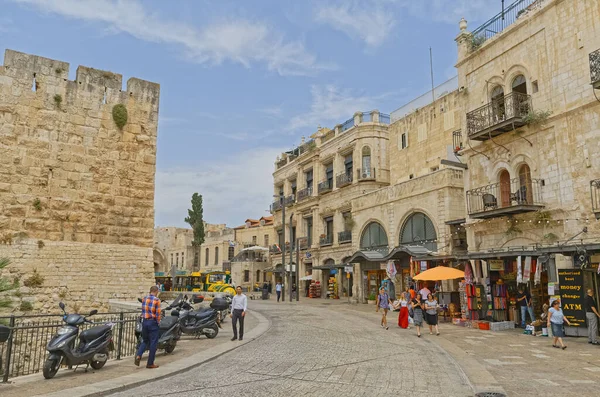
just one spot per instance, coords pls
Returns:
(419, 230)
(505, 188)
(374, 237)
(525, 193)
(329, 262)
(498, 106)
(366, 162)
(519, 84)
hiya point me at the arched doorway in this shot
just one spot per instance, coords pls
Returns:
(419, 230)
(504, 188)
(519, 85)
(525, 193)
(498, 107)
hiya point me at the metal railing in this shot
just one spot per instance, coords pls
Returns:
(304, 193)
(515, 192)
(289, 200)
(509, 107)
(345, 236)
(276, 206)
(384, 118)
(503, 19)
(325, 186)
(367, 117)
(347, 125)
(595, 68)
(24, 352)
(327, 240)
(363, 174)
(457, 140)
(424, 100)
(343, 179)
(595, 194)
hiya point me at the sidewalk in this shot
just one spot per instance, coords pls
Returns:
(190, 352)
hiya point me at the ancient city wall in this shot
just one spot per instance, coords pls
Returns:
(76, 186)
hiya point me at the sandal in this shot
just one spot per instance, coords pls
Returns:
(438, 334)
(387, 328)
(556, 346)
(418, 336)
(564, 347)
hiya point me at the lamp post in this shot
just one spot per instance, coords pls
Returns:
(291, 276)
(282, 201)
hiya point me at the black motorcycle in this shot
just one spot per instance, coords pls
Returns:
(169, 330)
(94, 344)
(205, 321)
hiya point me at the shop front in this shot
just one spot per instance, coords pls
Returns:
(330, 284)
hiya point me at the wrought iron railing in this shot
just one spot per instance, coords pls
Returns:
(511, 106)
(595, 68)
(384, 118)
(24, 352)
(345, 236)
(514, 192)
(365, 174)
(343, 179)
(367, 117)
(347, 124)
(327, 240)
(595, 192)
(289, 200)
(304, 193)
(457, 140)
(502, 20)
(276, 206)
(325, 186)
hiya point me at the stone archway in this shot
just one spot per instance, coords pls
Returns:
(160, 261)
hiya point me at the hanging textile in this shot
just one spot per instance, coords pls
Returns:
(519, 271)
(468, 273)
(527, 269)
(391, 269)
(538, 273)
(478, 272)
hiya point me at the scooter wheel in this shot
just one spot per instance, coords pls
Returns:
(98, 364)
(215, 328)
(169, 348)
(51, 367)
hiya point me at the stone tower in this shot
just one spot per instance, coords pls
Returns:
(77, 169)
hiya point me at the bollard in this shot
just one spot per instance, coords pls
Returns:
(120, 337)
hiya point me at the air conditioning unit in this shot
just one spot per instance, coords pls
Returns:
(366, 175)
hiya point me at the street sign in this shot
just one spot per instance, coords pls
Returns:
(348, 269)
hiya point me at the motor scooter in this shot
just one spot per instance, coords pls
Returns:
(204, 321)
(93, 349)
(169, 329)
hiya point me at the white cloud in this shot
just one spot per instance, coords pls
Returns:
(233, 189)
(370, 22)
(331, 104)
(234, 40)
(272, 111)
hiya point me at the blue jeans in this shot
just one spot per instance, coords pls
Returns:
(525, 309)
(149, 338)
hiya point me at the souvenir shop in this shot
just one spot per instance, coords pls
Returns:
(330, 285)
(446, 292)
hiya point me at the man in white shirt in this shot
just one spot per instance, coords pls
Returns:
(424, 292)
(278, 290)
(239, 305)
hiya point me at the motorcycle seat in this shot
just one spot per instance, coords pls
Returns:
(167, 322)
(203, 314)
(93, 333)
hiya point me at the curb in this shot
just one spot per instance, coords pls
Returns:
(131, 381)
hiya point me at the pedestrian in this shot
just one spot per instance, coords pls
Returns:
(412, 292)
(293, 291)
(417, 306)
(431, 306)
(424, 292)
(383, 302)
(524, 302)
(151, 318)
(556, 318)
(239, 305)
(278, 290)
(591, 314)
(270, 287)
(403, 315)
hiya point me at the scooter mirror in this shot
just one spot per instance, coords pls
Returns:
(93, 312)
(61, 305)
(140, 300)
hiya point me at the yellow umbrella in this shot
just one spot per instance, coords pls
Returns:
(439, 273)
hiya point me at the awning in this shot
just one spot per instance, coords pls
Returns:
(533, 251)
(329, 267)
(400, 252)
(305, 278)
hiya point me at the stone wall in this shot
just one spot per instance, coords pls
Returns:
(70, 177)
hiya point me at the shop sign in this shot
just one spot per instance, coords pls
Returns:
(348, 269)
(423, 266)
(496, 265)
(570, 283)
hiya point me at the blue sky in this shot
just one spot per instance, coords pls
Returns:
(243, 80)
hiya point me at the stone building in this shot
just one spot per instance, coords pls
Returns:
(251, 264)
(77, 167)
(218, 249)
(173, 246)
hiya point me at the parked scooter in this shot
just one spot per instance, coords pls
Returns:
(4, 335)
(205, 321)
(94, 344)
(169, 330)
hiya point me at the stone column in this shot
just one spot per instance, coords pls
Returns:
(358, 118)
(375, 116)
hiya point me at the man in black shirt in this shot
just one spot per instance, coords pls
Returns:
(591, 314)
(524, 302)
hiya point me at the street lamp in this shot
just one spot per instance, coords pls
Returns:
(282, 201)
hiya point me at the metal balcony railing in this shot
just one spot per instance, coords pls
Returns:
(502, 20)
(365, 174)
(498, 116)
(304, 193)
(343, 179)
(345, 237)
(595, 68)
(327, 240)
(276, 206)
(325, 186)
(457, 141)
(514, 196)
(290, 200)
(595, 192)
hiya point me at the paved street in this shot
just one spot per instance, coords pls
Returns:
(321, 351)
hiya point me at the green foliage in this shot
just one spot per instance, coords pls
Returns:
(62, 294)
(372, 297)
(26, 306)
(119, 113)
(58, 70)
(537, 117)
(512, 230)
(551, 237)
(5, 284)
(41, 244)
(349, 222)
(57, 100)
(195, 219)
(37, 204)
(34, 281)
(543, 216)
(476, 41)
(17, 294)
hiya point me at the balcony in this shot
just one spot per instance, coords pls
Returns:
(505, 198)
(325, 186)
(595, 192)
(595, 69)
(499, 116)
(343, 179)
(289, 200)
(365, 174)
(326, 241)
(457, 140)
(345, 237)
(304, 193)
(276, 206)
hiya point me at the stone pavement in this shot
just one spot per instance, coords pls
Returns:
(189, 351)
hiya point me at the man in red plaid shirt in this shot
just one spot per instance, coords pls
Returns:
(151, 318)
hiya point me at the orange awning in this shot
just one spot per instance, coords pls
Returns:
(439, 273)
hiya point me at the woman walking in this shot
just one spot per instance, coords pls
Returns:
(383, 302)
(403, 315)
(417, 307)
(556, 318)
(431, 306)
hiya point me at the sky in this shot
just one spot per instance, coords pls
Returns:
(242, 81)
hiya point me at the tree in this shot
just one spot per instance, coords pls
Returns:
(196, 220)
